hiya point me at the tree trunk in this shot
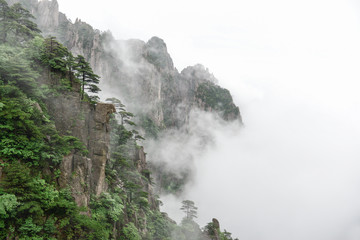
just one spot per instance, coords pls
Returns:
(83, 87)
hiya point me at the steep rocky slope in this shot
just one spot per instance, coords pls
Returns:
(142, 75)
(90, 124)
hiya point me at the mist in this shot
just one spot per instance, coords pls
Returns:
(293, 176)
(292, 171)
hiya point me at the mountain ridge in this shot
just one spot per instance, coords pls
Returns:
(143, 76)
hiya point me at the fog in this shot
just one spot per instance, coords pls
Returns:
(292, 171)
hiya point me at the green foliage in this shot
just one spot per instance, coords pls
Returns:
(73, 71)
(26, 134)
(30, 205)
(16, 69)
(87, 77)
(191, 230)
(214, 232)
(151, 130)
(56, 56)
(29, 229)
(8, 205)
(188, 207)
(124, 178)
(226, 236)
(210, 230)
(125, 116)
(130, 232)
(159, 226)
(32, 208)
(107, 208)
(34, 50)
(218, 99)
(16, 26)
(171, 183)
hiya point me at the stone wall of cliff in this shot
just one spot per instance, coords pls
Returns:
(85, 175)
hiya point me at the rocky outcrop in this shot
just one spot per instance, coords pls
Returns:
(155, 51)
(140, 159)
(216, 226)
(75, 174)
(99, 142)
(85, 174)
(142, 167)
(198, 72)
(146, 77)
(48, 15)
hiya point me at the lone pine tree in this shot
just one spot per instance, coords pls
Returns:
(189, 209)
(87, 77)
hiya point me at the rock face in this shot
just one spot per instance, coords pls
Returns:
(216, 225)
(155, 51)
(142, 167)
(99, 141)
(84, 174)
(46, 12)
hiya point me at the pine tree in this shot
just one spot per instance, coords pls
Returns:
(87, 77)
(16, 21)
(56, 55)
(70, 64)
(25, 28)
(58, 58)
(125, 116)
(5, 20)
(189, 209)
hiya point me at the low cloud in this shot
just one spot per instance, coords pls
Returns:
(290, 173)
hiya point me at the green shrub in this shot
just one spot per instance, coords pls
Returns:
(130, 232)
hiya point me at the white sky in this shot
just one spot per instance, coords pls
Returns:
(294, 69)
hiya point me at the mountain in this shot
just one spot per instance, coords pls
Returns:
(143, 76)
(76, 149)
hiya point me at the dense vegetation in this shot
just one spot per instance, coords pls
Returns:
(31, 149)
(217, 98)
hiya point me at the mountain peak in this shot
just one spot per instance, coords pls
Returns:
(155, 51)
(198, 71)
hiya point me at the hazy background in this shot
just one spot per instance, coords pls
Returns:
(293, 67)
